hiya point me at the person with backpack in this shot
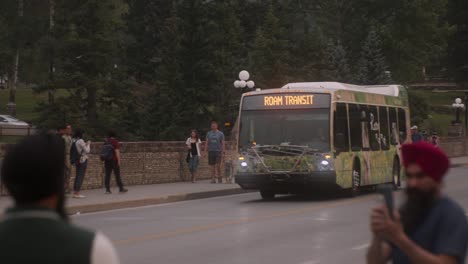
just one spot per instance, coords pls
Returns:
(110, 154)
(79, 157)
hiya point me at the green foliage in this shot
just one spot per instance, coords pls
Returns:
(337, 67)
(270, 53)
(176, 60)
(372, 66)
(419, 108)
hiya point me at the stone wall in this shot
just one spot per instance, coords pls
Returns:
(146, 163)
(163, 162)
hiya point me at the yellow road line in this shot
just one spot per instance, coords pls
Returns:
(194, 229)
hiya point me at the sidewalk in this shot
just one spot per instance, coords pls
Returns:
(141, 195)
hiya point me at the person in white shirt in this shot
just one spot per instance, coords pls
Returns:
(194, 153)
(83, 150)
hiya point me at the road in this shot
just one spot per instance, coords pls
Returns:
(243, 229)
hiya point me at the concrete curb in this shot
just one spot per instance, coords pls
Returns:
(459, 165)
(152, 201)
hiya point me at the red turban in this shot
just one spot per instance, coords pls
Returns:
(432, 160)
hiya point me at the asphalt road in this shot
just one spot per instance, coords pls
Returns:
(244, 229)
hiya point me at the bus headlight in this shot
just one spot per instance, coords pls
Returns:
(244, 164)
(325, 163)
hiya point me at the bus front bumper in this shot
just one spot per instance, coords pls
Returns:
(287, 182)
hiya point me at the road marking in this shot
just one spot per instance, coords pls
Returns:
(240, 221)
(155, 205)
(310, 262)
(360, 247)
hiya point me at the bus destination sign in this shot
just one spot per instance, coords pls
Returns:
(286, 101)
(280, 100)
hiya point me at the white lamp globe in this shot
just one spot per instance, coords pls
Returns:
(244, 75)
(242, 84)
(236, 84)
(458, 101)
(250, 84)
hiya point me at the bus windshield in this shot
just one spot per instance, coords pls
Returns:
(300, 127)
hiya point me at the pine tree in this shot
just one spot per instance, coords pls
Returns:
(337, 67)
(164, 115)
(372, 66)
(270, 55)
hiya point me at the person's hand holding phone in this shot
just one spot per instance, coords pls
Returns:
(385, 221)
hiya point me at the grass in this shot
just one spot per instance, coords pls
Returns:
(438, 121)
(26, 101)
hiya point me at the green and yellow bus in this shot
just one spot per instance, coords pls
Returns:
(308, 136)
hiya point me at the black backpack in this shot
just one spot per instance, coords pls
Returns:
(74, 155)
(107, 151)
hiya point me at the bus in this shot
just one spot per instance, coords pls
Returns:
(311, 136)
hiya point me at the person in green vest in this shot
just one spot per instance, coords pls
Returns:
(36, 229)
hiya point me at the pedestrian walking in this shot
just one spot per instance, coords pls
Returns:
(435, 139)
(216, 148)
(415, 135)
(194, 154)
(37, 229)
(110, 154)
(429, 227)
(79, 157)
(67, 138)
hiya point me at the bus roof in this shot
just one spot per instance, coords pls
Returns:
(388, 90)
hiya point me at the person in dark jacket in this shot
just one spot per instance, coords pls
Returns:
(113, 164)
(36, 229)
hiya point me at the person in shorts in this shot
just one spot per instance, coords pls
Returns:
(216, 148)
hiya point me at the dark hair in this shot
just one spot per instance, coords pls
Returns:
(78, 133)
(111, 134)
(197, 136)
(44, 174)
(214, 122)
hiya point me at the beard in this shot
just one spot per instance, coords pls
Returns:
(416, 208)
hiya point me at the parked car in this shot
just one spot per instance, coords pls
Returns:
(10, 126)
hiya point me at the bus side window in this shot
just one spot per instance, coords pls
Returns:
(402, 125)
(355, 127)
(374, 128)
(340, 124)
(384, 134)
(393, 126)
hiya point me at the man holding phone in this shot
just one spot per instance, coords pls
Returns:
(429, 227)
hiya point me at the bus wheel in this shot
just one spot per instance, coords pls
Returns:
(267, 195)
(356, 181)
(396, 174)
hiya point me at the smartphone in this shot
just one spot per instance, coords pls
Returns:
(387, 192)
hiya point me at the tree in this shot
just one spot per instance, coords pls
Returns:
(419, 108)
(372, 66)
(87, 56)
(458, 42)
(164, 115)
(337, 67)
(270, 54)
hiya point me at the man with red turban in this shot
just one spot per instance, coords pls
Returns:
(429, 227)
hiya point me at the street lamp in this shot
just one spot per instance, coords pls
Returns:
(458, 106)
(244, 81)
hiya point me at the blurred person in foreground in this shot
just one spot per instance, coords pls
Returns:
(36, 229)
(429, 227)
